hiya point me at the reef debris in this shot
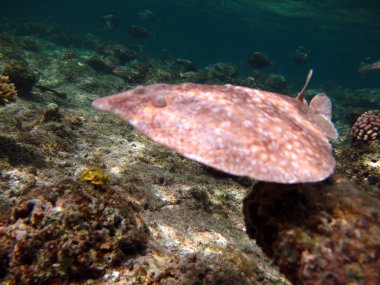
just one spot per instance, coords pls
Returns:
(238, 130)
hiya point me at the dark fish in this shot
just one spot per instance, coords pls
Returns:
(4, 41)
(300, 55)
(149, 16)
(259, 60)
(239, 130)
(109, 22)
(184, 64)
(59, 94)
(139, 32)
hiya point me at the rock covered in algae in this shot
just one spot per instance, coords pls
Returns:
(69, 234)
(323, 233)
(20, 74)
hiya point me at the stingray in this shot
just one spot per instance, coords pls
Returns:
(237, 130)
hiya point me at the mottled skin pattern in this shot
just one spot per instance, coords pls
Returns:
(239, 130)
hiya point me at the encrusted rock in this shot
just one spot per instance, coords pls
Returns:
(367, 126)
(71, 233)
(67, 54)
(19, 73)
(321, 233)
(275, 82)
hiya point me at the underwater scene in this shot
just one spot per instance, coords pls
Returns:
(190, 142)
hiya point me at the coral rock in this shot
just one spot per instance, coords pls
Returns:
(367, 126)
(70, 234)
(8, 91)
(67, 54)
(21, 76)
(321, 233)
(275, 82)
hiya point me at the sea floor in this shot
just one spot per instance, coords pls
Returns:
(160, 218)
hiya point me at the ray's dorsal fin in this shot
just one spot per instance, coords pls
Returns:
(301, 94)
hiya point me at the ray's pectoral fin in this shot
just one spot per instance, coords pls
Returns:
(326, 126)
(322, 108)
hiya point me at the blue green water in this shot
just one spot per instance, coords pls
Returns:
(340, 34)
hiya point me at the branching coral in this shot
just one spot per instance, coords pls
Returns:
(8, 90)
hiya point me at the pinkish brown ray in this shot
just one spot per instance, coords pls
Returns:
(242, 131)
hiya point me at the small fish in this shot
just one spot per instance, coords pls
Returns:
(300, 55)
(187, 75)
(149, 16)
(259, 60)
(375, 66)
(184, 64)
(238, 130)
(109, 22)
(139, 32)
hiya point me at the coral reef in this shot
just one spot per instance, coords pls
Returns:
(360, 162)
(160, 218)
(367, 126)
(122, 54)
(324, 233)
(362, 99)
(275, 82)
(270, 81)
(221, 72)
(99, 63)
(19, 73)
(68, 233)
(109, 56)
(8, 90)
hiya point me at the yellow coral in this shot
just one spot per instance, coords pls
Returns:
(8, 90)
(94, 176)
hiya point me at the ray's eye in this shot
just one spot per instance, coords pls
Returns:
(159, 101)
